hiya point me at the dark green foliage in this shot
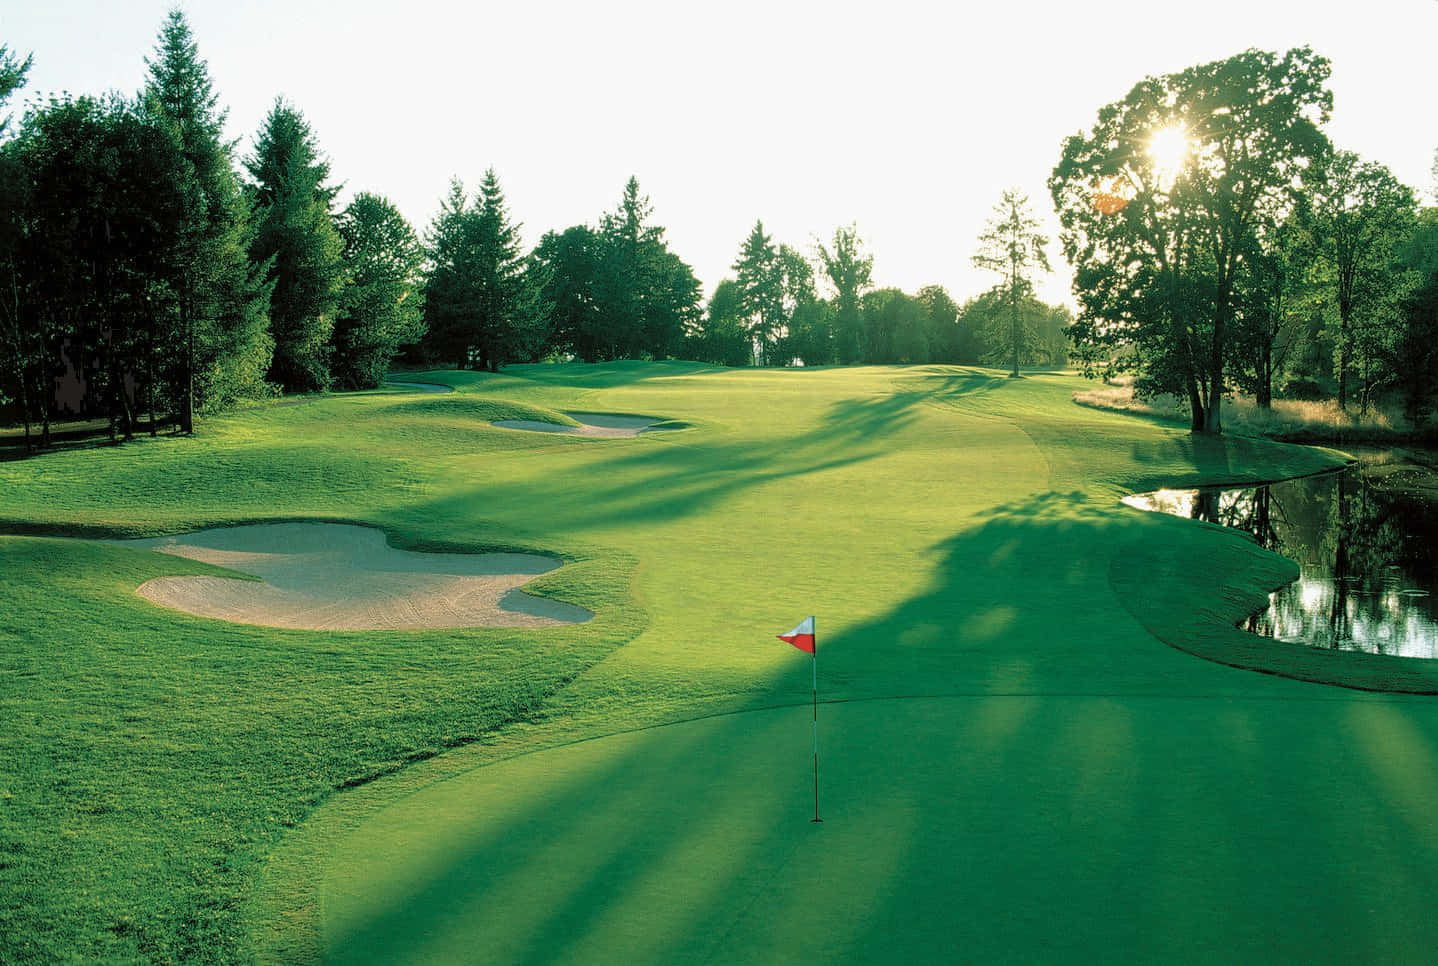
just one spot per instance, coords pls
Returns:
(986, 327)
(572, 261)
(449, 290)
(485, 302)
(941, 321)
(295, 235)
(383, 305)
(222, 302)
(723, 336)
(511, 314)
(99, 189)
(776, 286)
(618, 292)
(12, 78)
(896, 327)
(850, 272)
(760, 278)
(1412, 353)
(811, 333)
(1012, 246)
(1357, 214)
(648, 296)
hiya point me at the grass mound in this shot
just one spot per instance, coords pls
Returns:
(479, 409)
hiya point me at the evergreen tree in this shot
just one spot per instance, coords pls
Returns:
(450, 296)
(221, 303)
(760, 277)
(12, 78)
(647, 295)
(295, 235)
(382, 308)
(511, 315)
(1012, 247)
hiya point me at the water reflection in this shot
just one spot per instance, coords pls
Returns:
(1363, 539)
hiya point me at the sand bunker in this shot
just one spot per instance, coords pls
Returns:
(327, 576)
(606, 425)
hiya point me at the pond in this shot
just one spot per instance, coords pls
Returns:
(1364, 539)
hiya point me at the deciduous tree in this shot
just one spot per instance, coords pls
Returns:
(850, 272)
(1161, 202)
(383, 305)
(1358, 214)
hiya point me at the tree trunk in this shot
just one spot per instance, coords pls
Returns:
(1263, 394)
(1213, 418)
(1014, 319)
(1344, 309)
(1195, 407)
(150, 386)
(187, 402)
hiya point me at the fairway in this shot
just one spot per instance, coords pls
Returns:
(1016, 763)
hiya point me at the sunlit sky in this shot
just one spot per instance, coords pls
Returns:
(908, 118)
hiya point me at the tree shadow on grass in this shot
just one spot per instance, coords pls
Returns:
(1006, 758)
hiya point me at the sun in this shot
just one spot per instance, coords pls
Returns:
(1168, 148)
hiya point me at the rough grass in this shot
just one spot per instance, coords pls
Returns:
(1288, 420)
(181, 789)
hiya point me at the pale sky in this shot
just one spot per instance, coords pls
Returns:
(908, 118)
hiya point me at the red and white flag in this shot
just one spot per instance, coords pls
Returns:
(802, 636)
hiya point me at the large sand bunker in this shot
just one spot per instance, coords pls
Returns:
(607, 425)
(327, 576)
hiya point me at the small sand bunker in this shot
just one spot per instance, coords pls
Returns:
(606, 425)
(327, 576)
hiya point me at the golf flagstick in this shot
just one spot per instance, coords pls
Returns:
(804, 639)
(814, 662)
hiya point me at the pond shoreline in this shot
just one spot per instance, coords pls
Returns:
(1358, 536)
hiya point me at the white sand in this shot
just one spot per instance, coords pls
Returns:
(328, 576)
(604, 425)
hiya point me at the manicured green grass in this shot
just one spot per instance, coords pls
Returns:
(1015, 767)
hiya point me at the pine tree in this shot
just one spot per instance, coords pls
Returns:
(1012, 246)
(760, 276)
(295, 234)
(222, 305)
(510, 311)
(448, 288)
(647, 294)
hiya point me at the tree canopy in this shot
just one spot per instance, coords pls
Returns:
(1165, 199)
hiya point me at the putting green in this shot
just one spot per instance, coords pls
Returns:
(956, 828)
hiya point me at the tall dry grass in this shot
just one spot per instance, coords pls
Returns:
(1287, 419)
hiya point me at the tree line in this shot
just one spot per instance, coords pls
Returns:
(1221, 242)
(150, 272)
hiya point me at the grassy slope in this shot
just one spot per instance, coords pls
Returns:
(954, 530)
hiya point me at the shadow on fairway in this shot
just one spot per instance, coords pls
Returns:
(645, 483)
(1004, 777)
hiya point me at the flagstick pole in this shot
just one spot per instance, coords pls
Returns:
(815, 664)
